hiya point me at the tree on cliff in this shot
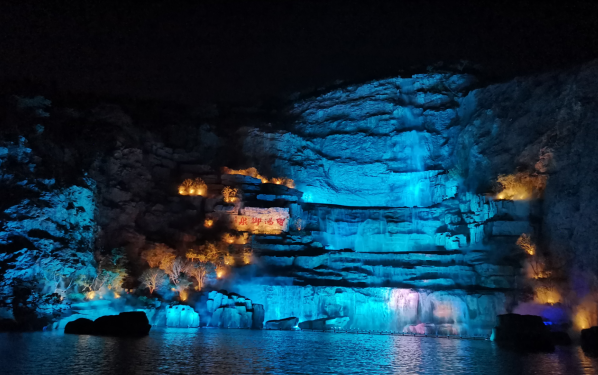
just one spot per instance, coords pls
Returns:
(153, 278)
(159, 256)
(199, 271)
(174, 269)
(110, 272)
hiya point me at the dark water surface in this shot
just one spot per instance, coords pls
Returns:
(213, 351)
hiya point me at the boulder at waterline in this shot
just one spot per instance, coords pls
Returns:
(325, 323)
(282, 324)
(80, 326)
(523, 332)
(589, 338)
(561, 338)
(133, 323)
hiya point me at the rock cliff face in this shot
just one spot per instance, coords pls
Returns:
(545, 124)
(405, 310)
(398, 174)
(393, 224)
(432, 142)
(45, 228)
(386, 143)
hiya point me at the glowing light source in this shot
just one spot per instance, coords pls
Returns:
(193, 187)
(208, 223)
(90, 295)
(247, 257)
(229, 259)
(525, 243)
(521, 186)
(229, 194)
(586, 313)
(183, 294)
(547, 295)
(252, 172)
(231, 238)
(220, 271)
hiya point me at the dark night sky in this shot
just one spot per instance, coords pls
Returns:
(241, 51)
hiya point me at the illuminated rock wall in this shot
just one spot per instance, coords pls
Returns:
(46, 227)
(386, 143)
(403, 310)
(404, 243)
(392, 182)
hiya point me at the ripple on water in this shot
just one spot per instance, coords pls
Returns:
(213, 351)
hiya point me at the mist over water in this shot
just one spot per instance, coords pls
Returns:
(218, 351)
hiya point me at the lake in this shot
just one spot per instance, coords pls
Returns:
(222, 351)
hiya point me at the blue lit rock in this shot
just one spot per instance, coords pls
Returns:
(325, 323)
(233, 311)
(399, 223)
(391, 179)
(403, 310)
(181, 316)
(258, 316)
(46, 228)
(285, 324)
(386, 138)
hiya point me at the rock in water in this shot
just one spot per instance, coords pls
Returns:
(133, 323)
(589, 339)
(282, 324)
(561, 338)
(523, 332)
(325, 323)
(80, 326)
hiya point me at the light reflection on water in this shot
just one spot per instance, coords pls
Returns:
(213, 351)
